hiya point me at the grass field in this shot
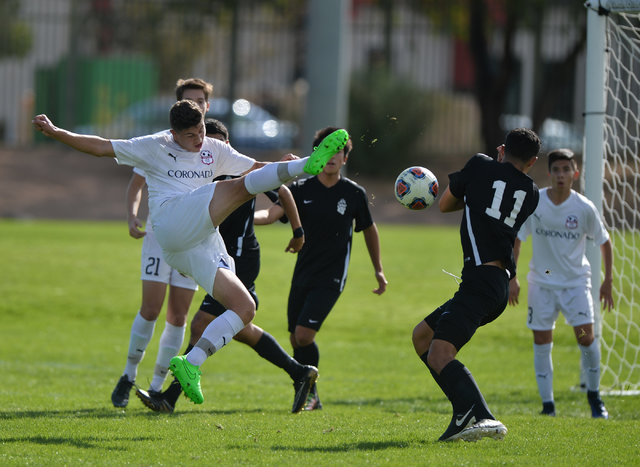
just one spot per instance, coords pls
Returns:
(70, 291)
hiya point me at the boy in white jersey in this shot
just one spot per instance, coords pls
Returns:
(156, 275)
(560, 277)
(186, 209)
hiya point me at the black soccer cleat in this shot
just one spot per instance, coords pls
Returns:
(303, 386)
(155, 400)
(120, 395)
(598, 410)
(458, 424)
(549, 409)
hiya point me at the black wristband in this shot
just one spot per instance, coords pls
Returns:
(299, 232)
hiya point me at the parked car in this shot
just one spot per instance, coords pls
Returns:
(553, 133)
(252, 126)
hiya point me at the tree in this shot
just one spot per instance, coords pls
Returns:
(15, 35)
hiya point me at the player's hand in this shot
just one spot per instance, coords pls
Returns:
(514, 291)
(295, 245)
(382, 283)
(606, 294)
(135, 225)
(42, 124)
(289, 157)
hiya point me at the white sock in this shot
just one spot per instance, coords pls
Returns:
(218, 334)
(169, 346)
(543, 366)
(141, 333)
(271, 176)
(590, 360)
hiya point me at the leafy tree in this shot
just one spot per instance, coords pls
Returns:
(15, 35)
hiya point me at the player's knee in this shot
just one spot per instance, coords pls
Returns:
(303, 337)
(421, 338)
(246, 312)
(586, 340)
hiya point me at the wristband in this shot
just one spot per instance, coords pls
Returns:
(299, 232)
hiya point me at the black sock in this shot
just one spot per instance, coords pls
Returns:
(307, 355)
(436, 376)
(463, 390)
(173, 392)
(269, 349)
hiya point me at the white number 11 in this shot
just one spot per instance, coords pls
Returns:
(494, 210)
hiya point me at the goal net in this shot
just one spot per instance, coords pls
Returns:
(620, 329)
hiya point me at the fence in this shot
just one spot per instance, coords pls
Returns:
(415, 66)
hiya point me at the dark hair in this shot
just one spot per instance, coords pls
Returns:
(561, 155)
(184, 114)
(193, 83)
(216, 127)
(522, 144)
(326, 131)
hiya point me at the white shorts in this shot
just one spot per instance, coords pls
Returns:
(154, 268)
(575, 304)
(188, 239)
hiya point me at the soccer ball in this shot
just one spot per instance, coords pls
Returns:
(416, 188)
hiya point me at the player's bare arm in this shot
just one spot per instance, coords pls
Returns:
(606, 288)
(134, 197)
(449, 203)
(291, 210)
(90, 144)
(514, 284)
(372, 240)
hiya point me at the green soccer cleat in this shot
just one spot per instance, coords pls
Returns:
(189, 377)
(328, 147)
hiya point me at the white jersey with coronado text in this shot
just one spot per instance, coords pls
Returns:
(169, 170)
(559, 235)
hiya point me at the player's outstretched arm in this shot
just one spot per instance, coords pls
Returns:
(94, 145)
(134, 197)
(606, 288)
(372, 240)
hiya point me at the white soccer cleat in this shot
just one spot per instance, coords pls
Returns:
(485, 428)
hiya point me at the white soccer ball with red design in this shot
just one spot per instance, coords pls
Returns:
(416, 188)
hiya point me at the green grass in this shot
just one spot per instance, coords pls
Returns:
(70, 291)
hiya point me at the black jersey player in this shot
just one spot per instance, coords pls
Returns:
(497, 197)
(330, 207)
(242, 245)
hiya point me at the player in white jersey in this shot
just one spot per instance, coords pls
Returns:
(560, 277)
(156, 274)
(186, 208)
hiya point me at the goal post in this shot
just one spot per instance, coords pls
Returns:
(612, 180)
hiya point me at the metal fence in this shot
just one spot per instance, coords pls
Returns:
(92, 63)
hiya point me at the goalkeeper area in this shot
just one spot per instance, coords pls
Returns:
(612, 178)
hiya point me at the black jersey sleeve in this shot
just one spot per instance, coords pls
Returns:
(363, 216)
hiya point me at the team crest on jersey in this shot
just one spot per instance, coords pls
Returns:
(206, 157)
(342, 206)
(571, 222)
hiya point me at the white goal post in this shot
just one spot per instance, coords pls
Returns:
(612, 179)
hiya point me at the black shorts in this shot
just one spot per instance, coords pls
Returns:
(310, 306)
(481, 298)
(247, 269)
